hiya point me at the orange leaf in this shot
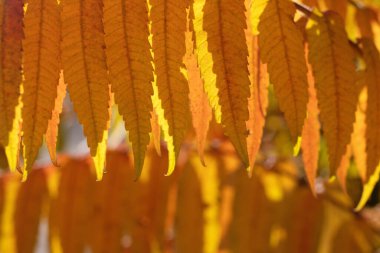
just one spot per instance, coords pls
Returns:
(200, 108)
(258, 102)
(52, 130)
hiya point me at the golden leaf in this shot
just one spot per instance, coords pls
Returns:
(222, 57)
(311, 135)
(52, 130)
(258, 102)
(333, 67)
(11, 35)
(130, 68)
(281, 47)
(41, 70)
(201, 110)
(85, 71)
(168, 26)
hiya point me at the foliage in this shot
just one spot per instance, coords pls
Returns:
(277, 77)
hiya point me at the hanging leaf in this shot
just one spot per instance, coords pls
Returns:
(311, 135)
(52, 130)
(258, 102)
(41, 69)
(333, 67)
(222, 56)
(372, 79)
(281, 47)
(11, 35)
(85, 72)
(168, 26)
(200, 108)
(130, 68)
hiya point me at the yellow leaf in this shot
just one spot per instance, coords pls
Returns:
(130, 68)
(281, 47)
(333, 67)
(11, 34)
(52, 130)
(85, 71)
(222, 57)
(172, 153)
(169, 48)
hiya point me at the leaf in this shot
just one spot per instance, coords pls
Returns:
(41, 64)
(85, 71)
(130, 68)
(168, 26)
(222, 57)
(200, 108)
(311, 135)
(333, 67)
(11, 35)
(165, 129)
(372, 79)
(281, 45)
(372, 117)
(52, 130)
(258, 102)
